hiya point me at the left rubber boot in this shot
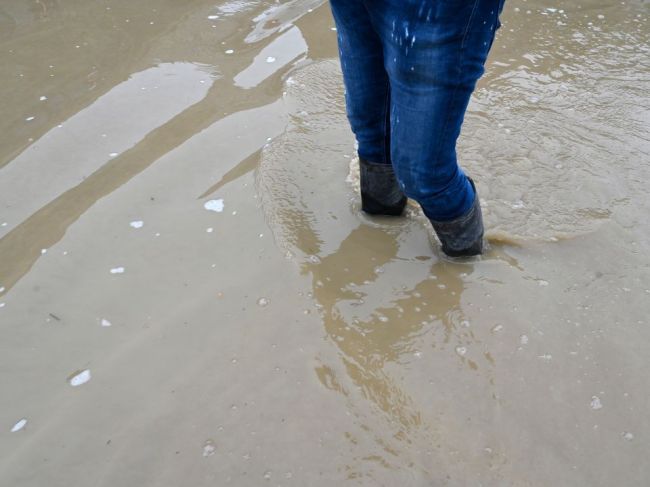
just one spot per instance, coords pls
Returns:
(380, 191)
(463, 236)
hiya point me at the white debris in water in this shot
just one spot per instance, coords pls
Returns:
(270, 59)
(229, 51)
(2, 305)
(262, 302)
(19, 425)
(29, 119)
(43, 251)
(105, 322)
(417, 354)
(80, 378)
(43, 98)
(601, 16)
(2, 289)
(542, 282)
(595, 403)
(114, 154)
(628, 436)
(117, 270)
(209, 448)
(517, 205)
(209, 230)
(267, 475)
(214, 205)
(497, 328)
(4, 224)
(137, 224)
(213, 17)
(461, 351)
(523, 339)
(465, 324)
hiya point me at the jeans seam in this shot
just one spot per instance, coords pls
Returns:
(469, 23)
(386, 135)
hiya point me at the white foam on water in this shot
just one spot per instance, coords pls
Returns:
(19, 425)
(117, 270)
(80, 378)
(214, 205)
(595, 403)
(209, 448)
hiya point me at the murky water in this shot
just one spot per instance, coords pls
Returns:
(189, 294)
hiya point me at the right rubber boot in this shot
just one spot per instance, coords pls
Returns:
(380, 191)
(463, 236)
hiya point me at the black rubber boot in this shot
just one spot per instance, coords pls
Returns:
(380, 192)
(462, 237)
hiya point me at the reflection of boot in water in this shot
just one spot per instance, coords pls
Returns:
(463, 236)
(380, 192)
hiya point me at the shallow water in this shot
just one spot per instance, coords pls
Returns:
(189, 293)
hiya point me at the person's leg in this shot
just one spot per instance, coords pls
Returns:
(367, 95)
(435, 51)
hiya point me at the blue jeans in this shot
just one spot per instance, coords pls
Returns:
(410, 67)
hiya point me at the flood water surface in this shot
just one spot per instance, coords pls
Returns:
(190, 295)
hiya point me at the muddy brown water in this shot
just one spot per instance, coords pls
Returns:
(280, 337)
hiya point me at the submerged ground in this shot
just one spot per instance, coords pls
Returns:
(189, 294)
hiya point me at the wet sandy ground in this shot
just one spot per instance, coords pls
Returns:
(189, 294)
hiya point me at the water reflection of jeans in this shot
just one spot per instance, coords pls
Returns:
(410, 67)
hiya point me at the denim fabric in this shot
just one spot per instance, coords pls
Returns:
(409, 68)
